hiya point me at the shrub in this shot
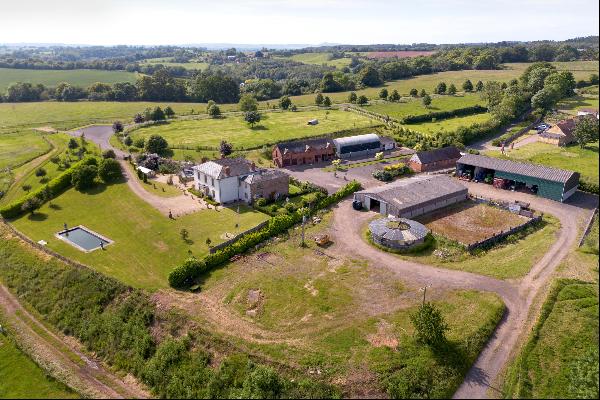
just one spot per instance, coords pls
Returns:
(184, 274)
(84, 177)
(109, 170)
(290, 207)
(589, 187)
(40, 172)
(157, 144)
(261, 202)
(109, 154)
(430, 327)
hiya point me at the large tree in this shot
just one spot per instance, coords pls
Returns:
(369, 76)
(157, 144)
(217, 87)
(84, 177)
(109, 170)
(586, 130)
(252, 117)
(248, 103)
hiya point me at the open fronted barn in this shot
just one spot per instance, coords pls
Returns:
(551, 183)
(360, 145)
(411, 197)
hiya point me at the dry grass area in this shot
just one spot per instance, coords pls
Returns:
(469, 222)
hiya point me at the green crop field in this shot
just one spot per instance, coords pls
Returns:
(415, 106)
(320, 59)
(449, 124)
(21, 378)
(574, 158)
(273, 128)
(78, 77)
(147, 245)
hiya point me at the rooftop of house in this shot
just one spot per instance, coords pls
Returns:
(264, 175)
(431, 156)
(226, 167)
(564, 127)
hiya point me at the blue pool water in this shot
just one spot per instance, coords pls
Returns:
(83, 238)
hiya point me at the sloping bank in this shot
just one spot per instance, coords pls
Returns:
(124, 328)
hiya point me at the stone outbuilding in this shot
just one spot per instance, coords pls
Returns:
(433, 160)
(303, 152)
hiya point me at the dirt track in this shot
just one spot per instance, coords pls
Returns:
(517, 295)
(86, 376)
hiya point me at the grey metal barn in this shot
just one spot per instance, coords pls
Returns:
(411, 197)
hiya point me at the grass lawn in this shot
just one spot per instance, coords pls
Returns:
(147, 244)
(416, 107)
(273, 128)
(341, 315)
(564, 341)
(78, 77)
(584, 161)
(346, 167)
(505, 261)
(21, 378)
(448, 125)
(572, 104)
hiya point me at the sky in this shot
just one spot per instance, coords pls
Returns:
(163, 22)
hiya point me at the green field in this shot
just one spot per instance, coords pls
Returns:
(415, 106)
(574, 158)
(78, 77)
(572, 104)
(273, 127)
(61, 115)
(21, 378)
(449, 124)
(320, 59)
(342, 315)
(147, 244)
(168, 62)
(560, 360)
(20, 147)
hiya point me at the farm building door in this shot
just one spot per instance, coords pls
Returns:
(374, 205)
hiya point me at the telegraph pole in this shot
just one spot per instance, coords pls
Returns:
(303, 221)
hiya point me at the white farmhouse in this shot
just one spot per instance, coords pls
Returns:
(231, 179)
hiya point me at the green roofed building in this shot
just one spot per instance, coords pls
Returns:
(551, 183)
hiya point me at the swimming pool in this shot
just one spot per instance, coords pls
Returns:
(83, 238)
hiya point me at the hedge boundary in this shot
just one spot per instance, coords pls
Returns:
(440, 115)
(183, 276)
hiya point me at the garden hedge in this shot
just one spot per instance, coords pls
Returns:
(56, 185)
(459, 112)
(589, 187)
(183, 275)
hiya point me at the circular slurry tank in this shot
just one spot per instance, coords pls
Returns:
(397, 233)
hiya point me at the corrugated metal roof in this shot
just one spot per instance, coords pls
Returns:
(445, 153)
(516, 167)
(300, 145)
(381, 228)
(418, 191)
(359, 139)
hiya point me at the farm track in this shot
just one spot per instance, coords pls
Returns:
(86, 376)
(518, 295)
(177, 205)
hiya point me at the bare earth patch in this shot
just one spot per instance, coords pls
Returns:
(469, 222)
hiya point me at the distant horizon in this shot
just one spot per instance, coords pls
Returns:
(278, 45)
(292, 22)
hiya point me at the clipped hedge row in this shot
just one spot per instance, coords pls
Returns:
(589, 187)
(459, 112)
(56, 186)
(183, 275)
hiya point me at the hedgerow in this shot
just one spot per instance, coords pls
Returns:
(459, 112)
